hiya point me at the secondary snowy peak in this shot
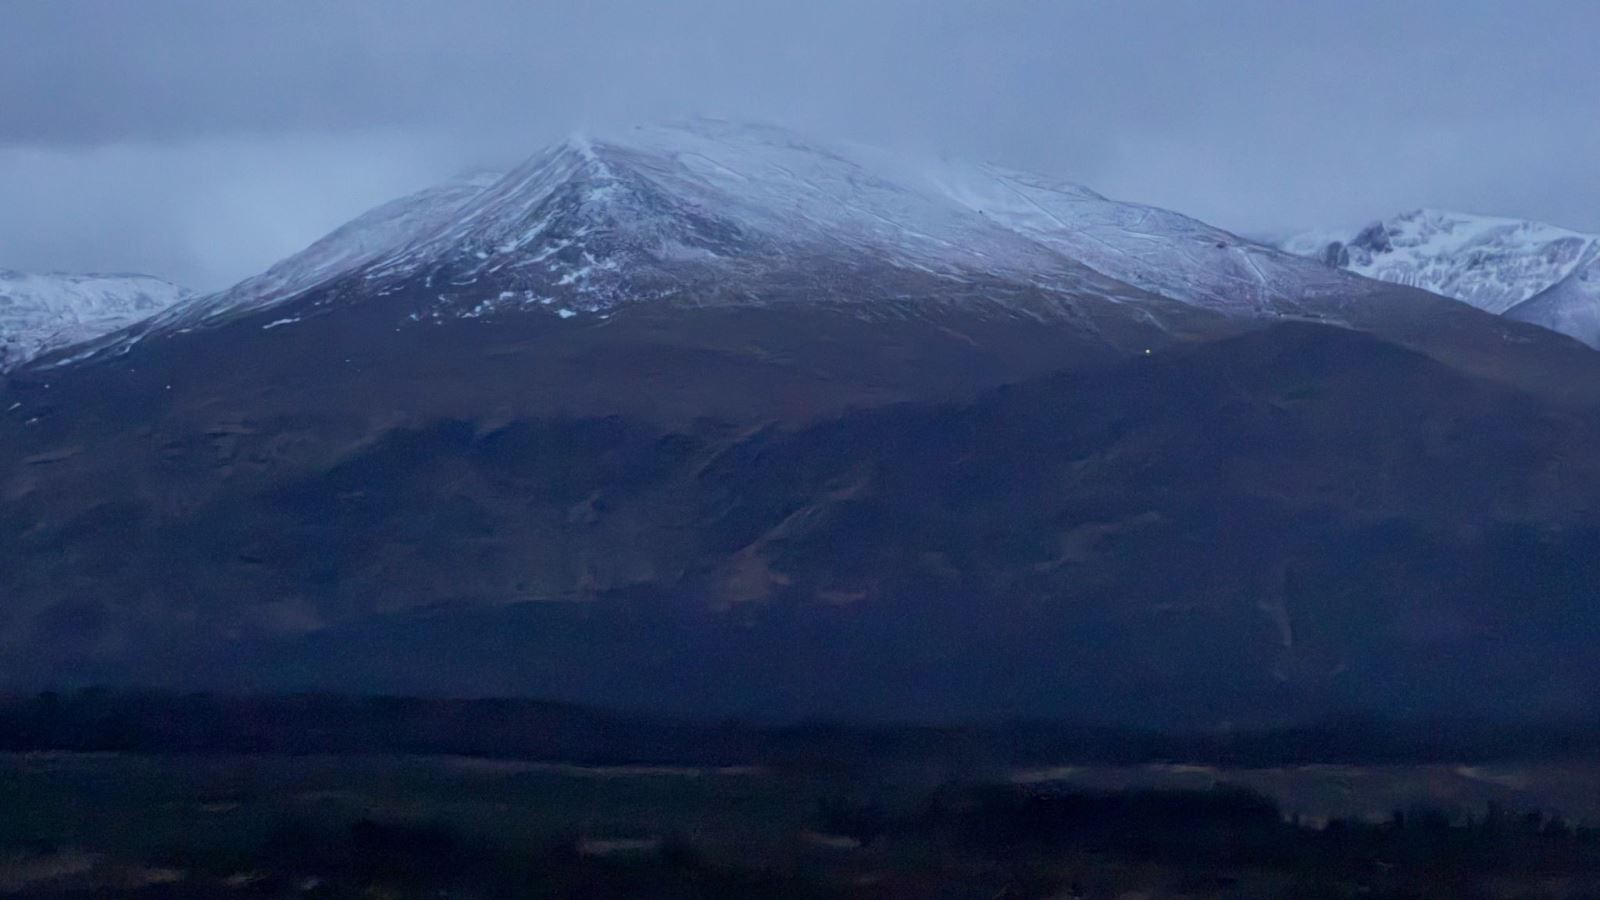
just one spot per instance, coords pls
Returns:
(718, 212)
(1571, 305)
(41, 312)
(1491, 263)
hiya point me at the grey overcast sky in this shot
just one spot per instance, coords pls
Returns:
(203, 139)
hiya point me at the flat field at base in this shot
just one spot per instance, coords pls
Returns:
(97, 824)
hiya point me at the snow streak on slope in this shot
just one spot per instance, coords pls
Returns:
(1491, 263)
(39, 313)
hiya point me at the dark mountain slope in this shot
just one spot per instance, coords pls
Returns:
(1293, 521)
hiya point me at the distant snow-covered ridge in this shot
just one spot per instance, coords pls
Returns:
(1530, 271)
(43, 312)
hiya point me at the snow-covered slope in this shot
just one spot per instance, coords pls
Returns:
(712, 212)
(40, 312)
(1155, 249)
(367, 238)
(1571, 305)
(1491, 263)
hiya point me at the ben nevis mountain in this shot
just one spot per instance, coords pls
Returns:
(713, 419)
(1528, 271)
(719, 214)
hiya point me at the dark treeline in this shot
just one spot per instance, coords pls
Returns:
(1216, 838)
(1011, 840)
(159, 722)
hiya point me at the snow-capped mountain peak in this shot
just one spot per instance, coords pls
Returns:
(714, 212)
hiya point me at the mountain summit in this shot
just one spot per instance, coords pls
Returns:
(717, 213)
